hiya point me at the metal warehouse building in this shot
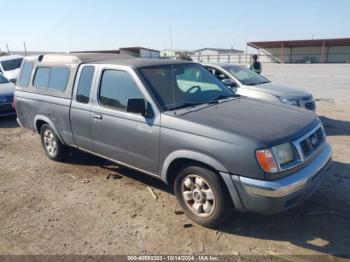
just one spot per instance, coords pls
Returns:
(304, 51)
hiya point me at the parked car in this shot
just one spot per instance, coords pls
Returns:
(248, 83)
(175, 121)
(10, 65)
(7, 90)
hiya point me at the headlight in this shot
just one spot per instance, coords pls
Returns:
(284, 153)
(289, 101)
(271, 159)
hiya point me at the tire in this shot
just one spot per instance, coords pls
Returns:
(53, 147)
(203, 196)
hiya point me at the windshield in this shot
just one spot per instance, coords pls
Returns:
(3, 80)
(246, 76)
(182, 85)
(12, 64)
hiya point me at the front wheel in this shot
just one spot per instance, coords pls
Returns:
(203, 196)
(53, 147)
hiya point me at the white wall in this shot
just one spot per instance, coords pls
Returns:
(234, 58)
(206, 52)
(336, 54)
(339, 54)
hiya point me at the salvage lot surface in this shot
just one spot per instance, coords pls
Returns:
(91, 206)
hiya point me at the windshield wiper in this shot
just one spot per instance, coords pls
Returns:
(188, 104)
(255, 84)
(223, 97)
(216, 99)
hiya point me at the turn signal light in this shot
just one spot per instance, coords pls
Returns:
(266, 160)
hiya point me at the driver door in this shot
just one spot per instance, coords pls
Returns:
(128, 138)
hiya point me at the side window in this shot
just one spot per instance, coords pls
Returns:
(116, 88)
(84, 86)
(26, 73)
(41, 78)
(52, 78)
(58, 78)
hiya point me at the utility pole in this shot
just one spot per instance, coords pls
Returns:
(25, 48)
(8, 50)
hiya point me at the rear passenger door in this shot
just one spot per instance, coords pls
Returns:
(129, 138)
(80, 115)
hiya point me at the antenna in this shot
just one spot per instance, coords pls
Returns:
(171, 36)
(172, 66)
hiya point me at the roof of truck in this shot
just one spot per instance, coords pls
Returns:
(104, 58)
(138, 62)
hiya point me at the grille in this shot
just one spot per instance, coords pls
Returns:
(310, 105)
(312, 142)
(305, 147)
(6, 99)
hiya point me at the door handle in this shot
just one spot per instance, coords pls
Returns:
(97, 116)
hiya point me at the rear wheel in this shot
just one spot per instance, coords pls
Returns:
(53, 147)
(203, 196)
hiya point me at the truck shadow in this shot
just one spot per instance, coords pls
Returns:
(322, 224)
(116, 171)
(335, 127)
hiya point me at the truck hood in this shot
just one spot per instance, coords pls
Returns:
(7, 89)
(265, 122)
(282, 91)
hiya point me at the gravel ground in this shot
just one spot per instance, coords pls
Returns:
(90, 206)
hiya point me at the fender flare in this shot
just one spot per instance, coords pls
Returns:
(191, 155)
(50, 123)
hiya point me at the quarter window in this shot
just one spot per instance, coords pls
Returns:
(84, 86)
(58, 78)
(41, 79)
(25, 75)
(116, 88)
(53, 78)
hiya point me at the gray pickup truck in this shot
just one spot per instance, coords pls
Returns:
(175, 121)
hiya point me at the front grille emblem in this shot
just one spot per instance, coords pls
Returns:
(314, 140)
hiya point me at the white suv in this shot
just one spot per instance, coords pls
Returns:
(10, 65)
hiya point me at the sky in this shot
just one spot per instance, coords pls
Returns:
(71, 25)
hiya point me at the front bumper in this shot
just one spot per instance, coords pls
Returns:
(271, 197)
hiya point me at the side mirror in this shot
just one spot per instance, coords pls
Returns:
(14, 81)
(137, 106)
(229, 83)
